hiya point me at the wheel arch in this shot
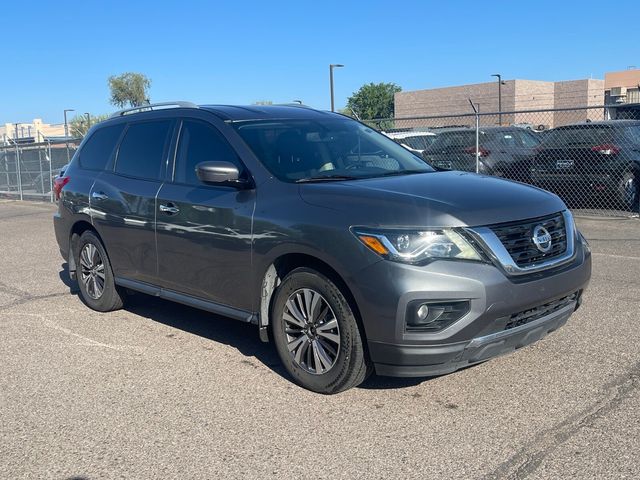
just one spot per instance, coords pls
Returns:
(288, 262)
(78, 228)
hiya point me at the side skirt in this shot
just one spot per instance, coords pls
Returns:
(189, 300)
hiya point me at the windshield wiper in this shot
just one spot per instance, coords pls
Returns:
(327, 178)
(401, 172)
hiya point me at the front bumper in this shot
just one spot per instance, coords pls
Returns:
(411, 360)
(483, 333)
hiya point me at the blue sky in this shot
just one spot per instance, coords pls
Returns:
(59, 54)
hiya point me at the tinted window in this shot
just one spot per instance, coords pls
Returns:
(457, 139)
(579, 136)
(529, 140)
(142, 149)
(507, 139)
(418, 143)
(95, 154)
(634, 133)
(200, 142)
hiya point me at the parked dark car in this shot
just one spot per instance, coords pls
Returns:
(344, 248)
(596, 162)
(503, 151)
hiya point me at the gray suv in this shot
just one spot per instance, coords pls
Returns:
(346, 250)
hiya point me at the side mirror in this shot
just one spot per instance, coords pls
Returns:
(218, 172)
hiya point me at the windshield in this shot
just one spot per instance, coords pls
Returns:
(308, 150)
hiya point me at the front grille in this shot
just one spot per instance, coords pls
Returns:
(527, 316)
(517, 238)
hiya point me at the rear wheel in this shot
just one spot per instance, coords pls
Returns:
(629, 190)
(95, 277)
(316, 333)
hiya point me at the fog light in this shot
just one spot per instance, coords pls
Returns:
(434, 316)
(423, 312)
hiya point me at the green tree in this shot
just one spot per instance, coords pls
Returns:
(373, 100)
(79, 125)
(129, 89)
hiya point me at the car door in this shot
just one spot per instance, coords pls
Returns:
(123, 199)
(203, 231)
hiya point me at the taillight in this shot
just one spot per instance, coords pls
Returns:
(58, 183)
(482, 152)
(606, 149)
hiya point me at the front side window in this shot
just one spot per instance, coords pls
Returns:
(96, 153)
(200, 142)
(310, 150)
(143, 148)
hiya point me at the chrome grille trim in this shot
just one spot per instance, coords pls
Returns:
(517, 238)
(499, 254)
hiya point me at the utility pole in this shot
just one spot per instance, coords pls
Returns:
(499, 77)
(66, 131)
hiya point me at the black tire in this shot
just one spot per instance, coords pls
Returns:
(629, 190)
(351, 365)
(111, 296)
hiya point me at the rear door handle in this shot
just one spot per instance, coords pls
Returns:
(99, 196)
(169, 209)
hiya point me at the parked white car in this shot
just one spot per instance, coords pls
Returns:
(415, 141)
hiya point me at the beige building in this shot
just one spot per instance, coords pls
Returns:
(36, 130)
(622, 94)
(622, 87)
(517, 96)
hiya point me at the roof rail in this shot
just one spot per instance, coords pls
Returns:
(290, 104)
(153, 106)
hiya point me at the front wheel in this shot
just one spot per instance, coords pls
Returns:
(316, 334)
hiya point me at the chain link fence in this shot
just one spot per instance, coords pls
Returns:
(592, 163)
(27, 170)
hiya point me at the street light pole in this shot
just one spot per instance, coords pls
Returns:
(66, 125)
(66, 130)
(331, 67)
(499, 77)
(88, 120)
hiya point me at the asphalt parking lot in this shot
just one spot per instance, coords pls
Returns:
(164, 391)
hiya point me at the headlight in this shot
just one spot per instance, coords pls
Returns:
(415, 247)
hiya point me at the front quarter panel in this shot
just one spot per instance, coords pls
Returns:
(285, 224)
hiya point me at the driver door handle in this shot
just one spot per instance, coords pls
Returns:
(169, 208)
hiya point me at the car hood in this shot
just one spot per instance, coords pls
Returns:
(436, 199)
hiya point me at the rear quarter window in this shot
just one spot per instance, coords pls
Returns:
(99, 148)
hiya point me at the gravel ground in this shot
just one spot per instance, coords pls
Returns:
(160, 390)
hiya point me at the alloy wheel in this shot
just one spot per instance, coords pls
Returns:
(92, 271)
(312, 332)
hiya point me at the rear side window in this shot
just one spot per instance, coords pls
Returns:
(200, 142)
(96, 153)
(143, 148)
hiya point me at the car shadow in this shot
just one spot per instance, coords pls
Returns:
(241, 336)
